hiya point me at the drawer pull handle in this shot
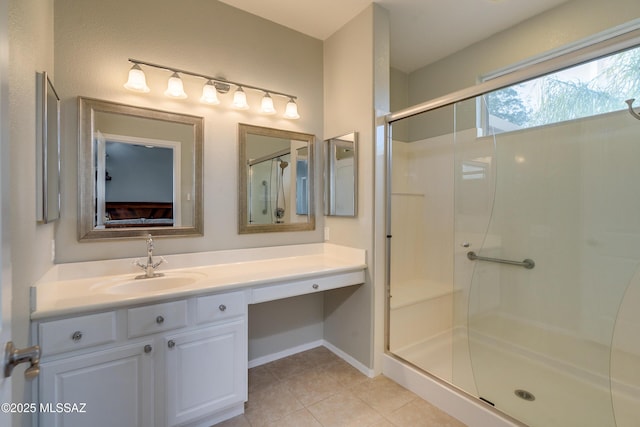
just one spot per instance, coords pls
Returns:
(159, 320)
(171, 344)
(148, 348)
(315, 286)
(76, 336)
(222, 307)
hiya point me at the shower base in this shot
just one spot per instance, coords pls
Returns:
(566, 393)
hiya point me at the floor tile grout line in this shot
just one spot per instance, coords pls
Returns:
(334, 359)
(347, 381)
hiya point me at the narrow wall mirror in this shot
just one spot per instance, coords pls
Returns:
(341, 175)
(276, 180)
(47, 150)
(139, 172)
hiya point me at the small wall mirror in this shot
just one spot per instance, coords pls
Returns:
(140, 171)
(48, 150)
(276, 180)
(341, 175)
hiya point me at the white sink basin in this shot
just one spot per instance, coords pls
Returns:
(167, 282)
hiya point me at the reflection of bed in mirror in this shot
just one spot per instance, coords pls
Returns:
(138, 214)
(137, 180)
(146, 162)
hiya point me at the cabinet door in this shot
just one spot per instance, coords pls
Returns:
(206, 370)
(113, 388)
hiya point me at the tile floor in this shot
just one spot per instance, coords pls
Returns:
(316, 388)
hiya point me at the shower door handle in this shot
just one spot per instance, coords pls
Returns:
(526, 263)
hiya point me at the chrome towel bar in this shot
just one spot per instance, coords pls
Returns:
(527, 263)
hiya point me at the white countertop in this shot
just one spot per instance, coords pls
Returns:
(82, 287)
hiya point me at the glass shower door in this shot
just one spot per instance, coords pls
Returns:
(566, 197)
(421, 259)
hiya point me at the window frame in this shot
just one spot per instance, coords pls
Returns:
(588, 43)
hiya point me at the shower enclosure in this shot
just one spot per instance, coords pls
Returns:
(269, 188)
(514, 261)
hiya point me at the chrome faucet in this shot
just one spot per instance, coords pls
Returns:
(150, 267)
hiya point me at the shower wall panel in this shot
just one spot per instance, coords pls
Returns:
(564, 195)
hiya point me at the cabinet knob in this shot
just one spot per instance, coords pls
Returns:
(171, 343)
(148, 348)
(315, 286)
(222, 307)
(159, 320)
(76, 336)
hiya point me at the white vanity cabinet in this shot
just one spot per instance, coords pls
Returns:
(112, 387)
(176, 363)
(206, 368)
(205, 371)
(165, 357)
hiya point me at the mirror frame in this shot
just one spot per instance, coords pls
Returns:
(243, 225)
(48, 151)
(86, 170)
(329, 171)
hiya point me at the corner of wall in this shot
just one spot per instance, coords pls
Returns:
(356, 80)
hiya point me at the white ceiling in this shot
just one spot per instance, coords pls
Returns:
(422, 31)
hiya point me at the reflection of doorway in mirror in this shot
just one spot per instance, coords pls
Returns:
(341, 175)
(302, 178)
(345, 186)
(137, 182)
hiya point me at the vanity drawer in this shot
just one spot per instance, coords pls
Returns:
(301, 287)
(76, 333)
(220, 306)
(156, 318)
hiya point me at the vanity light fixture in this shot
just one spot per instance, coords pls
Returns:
(240, 99)
(211, 89)
(266, 106)
(291, 111)
(209, 94)
(137, 81)
(174, 87)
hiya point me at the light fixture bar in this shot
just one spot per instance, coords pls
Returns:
(214, 79)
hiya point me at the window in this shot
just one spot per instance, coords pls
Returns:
(595, 87)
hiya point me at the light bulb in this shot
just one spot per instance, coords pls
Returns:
(174, 87)
(209, 94)
(291, 111)
(267, 104)
(240, 99)
(137, 81)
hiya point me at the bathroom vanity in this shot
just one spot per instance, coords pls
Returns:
(170, 350)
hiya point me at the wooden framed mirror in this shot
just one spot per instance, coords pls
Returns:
(275, 180)
(140, 171)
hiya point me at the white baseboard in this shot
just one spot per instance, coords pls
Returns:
(308, 346)
(350, 360)
(284, 353)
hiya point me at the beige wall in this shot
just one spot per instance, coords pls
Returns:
(354, 88)
(30, 51)
(567, 23)
(93, 40)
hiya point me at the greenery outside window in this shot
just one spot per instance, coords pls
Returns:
(596, 87)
